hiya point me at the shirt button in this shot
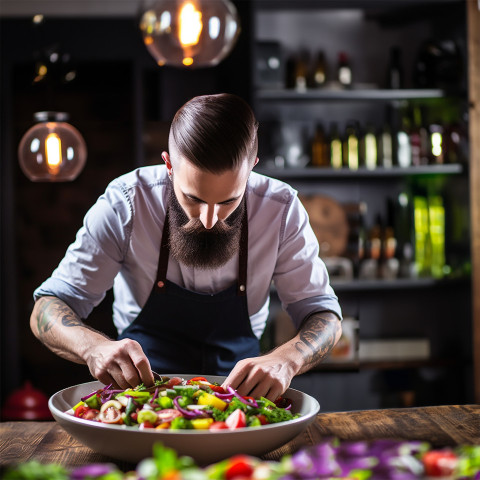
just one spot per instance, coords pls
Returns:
(242, 288)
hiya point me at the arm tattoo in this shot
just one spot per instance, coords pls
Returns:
(317, 338)
(51, 311)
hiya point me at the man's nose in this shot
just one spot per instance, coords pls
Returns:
(209, 215)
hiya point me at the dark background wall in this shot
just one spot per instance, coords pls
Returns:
(122, 103)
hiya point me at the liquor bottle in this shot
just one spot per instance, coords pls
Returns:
(436, 217)
(297, 71)
(395, 69)
(319, 72)
(385, 147)
(404, 151)
(336, 157)
(422, 236)
(370, 148)
(419, 139)
(344, 70)
(436, 142)
(320, 157)
(351, 148)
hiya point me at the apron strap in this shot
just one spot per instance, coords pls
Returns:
(243, 254)
(161, 281)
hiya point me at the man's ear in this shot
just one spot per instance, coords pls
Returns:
(166, 159)
(256, 161)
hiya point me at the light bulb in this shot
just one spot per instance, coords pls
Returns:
(192, 33)
(52, 150)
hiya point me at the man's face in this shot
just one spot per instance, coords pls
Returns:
(206, 213)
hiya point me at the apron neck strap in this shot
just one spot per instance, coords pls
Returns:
(242, 258)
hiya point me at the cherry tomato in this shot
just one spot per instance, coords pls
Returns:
(174, 381)
(218, 426)
(168, 414)
(110, 415)
(237, 419)
(145, 425)
(262, 418)
(439, 463)
(91, 414)
(282, 402)
(196, 379)
(239, 466)
(217, 388)
(81, 411)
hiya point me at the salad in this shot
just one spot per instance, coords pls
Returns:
(179, 404)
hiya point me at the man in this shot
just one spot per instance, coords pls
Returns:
(191, 249)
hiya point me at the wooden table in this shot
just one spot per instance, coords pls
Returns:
(449, 425)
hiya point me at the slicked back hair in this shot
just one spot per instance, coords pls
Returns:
(215, 133)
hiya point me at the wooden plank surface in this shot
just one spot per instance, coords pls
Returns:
(47, 442)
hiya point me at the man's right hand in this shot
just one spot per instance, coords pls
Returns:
(121, 362)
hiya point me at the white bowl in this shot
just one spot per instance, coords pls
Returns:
(132, 445)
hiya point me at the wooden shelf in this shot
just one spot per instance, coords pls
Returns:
(396, 284)
(355, 366)
(346, 173)
(349, 95)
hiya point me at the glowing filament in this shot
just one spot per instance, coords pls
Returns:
(53, 150)
(190, 25)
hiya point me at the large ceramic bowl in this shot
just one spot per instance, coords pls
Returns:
(132, 445)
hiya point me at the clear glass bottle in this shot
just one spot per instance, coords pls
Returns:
(336, 151)
(370, 152)
(344, 70)
(385, 147)
(351, 158)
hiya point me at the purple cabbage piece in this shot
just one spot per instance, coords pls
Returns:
(92, 471)
(316, 462)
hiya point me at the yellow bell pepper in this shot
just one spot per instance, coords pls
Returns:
(201, 423)
(204, 398)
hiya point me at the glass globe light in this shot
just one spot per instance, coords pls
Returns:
(190, 33)
(52, 150)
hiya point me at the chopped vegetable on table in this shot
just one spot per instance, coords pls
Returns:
(175, 403)
(330, 459)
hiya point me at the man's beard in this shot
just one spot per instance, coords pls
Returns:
(195, 246)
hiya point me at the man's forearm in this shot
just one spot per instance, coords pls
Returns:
(59, 328)
(314, 341)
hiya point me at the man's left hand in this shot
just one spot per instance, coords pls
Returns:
(266, 376)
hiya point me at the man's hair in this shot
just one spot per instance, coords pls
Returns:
(215, 133)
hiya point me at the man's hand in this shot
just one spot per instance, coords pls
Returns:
(57, 326)
(270, 375)
(122, 363)
(266, 376)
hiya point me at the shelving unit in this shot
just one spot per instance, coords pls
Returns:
(385, 308)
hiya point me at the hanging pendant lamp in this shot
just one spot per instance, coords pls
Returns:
(190, 33)
(52, 150)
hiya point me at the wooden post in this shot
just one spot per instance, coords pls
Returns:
(473, 24)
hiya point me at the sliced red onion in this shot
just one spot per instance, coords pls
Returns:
(187, 413)
(250, 403)
(155, 395)
(289, 407)
(89, 395)
(223, 396)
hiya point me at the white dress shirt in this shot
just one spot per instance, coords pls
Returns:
(119, 243)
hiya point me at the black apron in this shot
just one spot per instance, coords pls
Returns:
(186, 332)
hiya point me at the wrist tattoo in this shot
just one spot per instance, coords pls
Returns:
(317, 338)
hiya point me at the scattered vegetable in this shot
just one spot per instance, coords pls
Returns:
(330, 459)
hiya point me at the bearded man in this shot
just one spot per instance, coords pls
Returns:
(191, 249)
